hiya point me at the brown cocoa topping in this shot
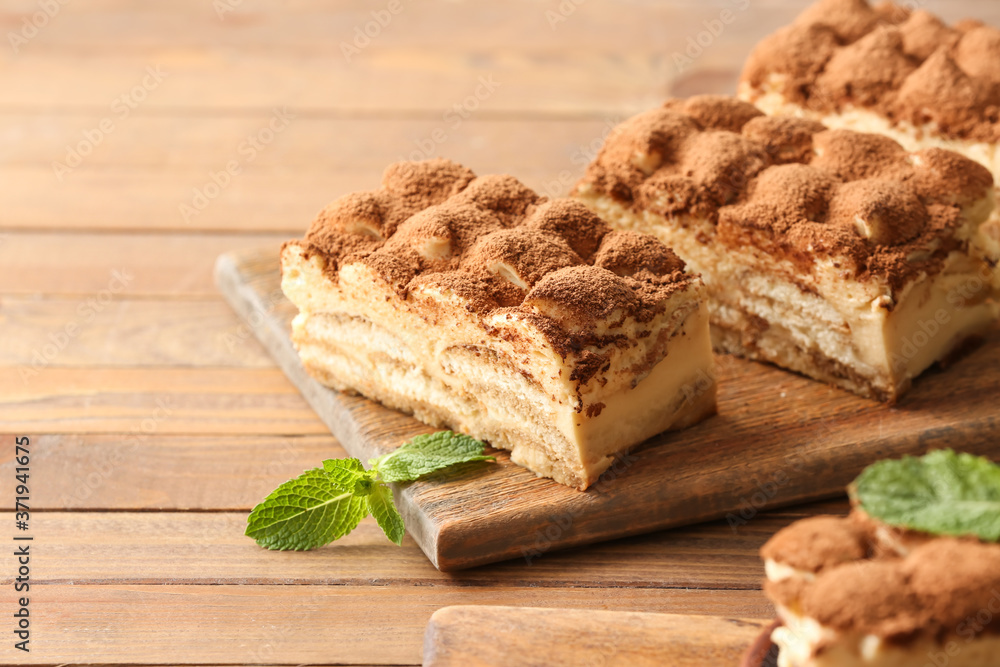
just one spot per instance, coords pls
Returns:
(626, 253)
(850, 76)
(795, 190)
(817, 543)
(904, 66)
(520, 256)
(500, 248)
(849, 19)
(575, 223)
(785, 139)
(861, 586)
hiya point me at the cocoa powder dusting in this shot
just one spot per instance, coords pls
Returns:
(791, 188)
(859, 587)
(501, 249)
(906, 66)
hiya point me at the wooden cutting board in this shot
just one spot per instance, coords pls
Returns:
(778, 439)
(466, 636)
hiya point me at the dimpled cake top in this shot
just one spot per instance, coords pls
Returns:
(907, 65)
(791, 187)
(858, 587)
(497, 246)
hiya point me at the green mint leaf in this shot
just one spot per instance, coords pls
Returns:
(324, 504)
(350, 475)
(426, 453)
(384, 510)
(943, 493)
(307, 512)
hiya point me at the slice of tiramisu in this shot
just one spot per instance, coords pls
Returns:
(848, 596)
(473, 303)
(836, 254)
(887, 69)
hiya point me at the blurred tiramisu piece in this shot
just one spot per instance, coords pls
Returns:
(836, 254)
(890, 70)
(847, 597)
(473, 303)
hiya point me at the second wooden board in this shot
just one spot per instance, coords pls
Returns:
(778, 439)
(466, 636)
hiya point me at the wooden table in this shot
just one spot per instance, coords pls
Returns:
(138, 141)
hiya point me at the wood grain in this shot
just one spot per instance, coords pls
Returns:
(281, 186)
(778, 439)
(209, 548)
(126, 332)
(165, 264)
(149, 566)
(603, 57)
(148, 470)
(192, 624)
(135, 401)
(521, 637)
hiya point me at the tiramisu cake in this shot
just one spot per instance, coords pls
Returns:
(473, 303)
(855, 591)
(889, 70)
(836, 254)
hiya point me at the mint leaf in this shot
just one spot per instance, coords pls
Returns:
(307, 512)
(350, 475)
(324, 504)
(426, 453)
(943, 493)
(384, 510)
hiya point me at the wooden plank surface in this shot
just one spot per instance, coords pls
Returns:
(126, 332)
(168, 400)
(195, 624)
(208, 547)
(146, 469)
(280, 186)
(603, 56)
(167, 265)
(778, 438)
(522, 637)
(137, 510)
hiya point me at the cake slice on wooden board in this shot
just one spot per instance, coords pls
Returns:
(861, 591)
(887, 69)
(474, 303)
(836, 254)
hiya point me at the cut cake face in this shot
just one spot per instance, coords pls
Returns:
(836, 254)
(473, 303)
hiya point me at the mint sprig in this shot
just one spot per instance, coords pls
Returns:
(324, 504)
(942, 492)
(425, 454)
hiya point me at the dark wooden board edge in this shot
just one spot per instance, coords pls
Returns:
(761, 452)
(486, 636)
